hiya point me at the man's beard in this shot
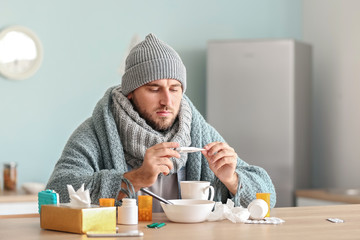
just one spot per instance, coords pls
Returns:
(160, 126)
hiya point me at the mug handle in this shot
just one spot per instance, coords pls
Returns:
(212, 191)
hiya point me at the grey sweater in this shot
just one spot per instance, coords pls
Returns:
(94, 155)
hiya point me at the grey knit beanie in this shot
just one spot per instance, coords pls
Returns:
(152, 60)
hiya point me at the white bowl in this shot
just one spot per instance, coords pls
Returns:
(188, 210)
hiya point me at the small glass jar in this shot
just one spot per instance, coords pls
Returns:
(10, 176)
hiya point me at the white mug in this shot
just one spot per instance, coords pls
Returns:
(196, 190)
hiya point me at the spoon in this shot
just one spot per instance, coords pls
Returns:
(155, 196)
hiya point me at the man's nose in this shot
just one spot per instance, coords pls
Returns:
(165, 98)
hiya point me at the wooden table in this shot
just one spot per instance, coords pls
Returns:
(303, 223)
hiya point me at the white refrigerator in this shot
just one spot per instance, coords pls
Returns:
(259, 99)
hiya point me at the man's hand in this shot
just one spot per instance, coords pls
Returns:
(222, 161)
(156, 161)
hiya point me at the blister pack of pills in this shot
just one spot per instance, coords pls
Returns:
(267, 220)
(335, 220)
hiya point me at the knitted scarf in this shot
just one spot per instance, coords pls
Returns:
(137, 136)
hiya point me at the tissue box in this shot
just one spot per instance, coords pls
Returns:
(78, 220)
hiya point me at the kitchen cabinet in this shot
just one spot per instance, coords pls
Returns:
(322, 197)
(17, 202)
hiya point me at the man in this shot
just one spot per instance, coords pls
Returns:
(129, 141)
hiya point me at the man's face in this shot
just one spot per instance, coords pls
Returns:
(158, 102)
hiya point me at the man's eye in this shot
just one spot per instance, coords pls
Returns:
(174, 89)
(154, 89)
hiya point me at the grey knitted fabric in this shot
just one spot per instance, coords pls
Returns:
(137, 136)
(94, 155)
(152, 60)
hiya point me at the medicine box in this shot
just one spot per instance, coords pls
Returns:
(47, 197)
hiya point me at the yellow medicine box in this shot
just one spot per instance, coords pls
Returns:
(78, 220)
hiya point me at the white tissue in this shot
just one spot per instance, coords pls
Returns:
(238, 214)
(228, 211)
(80, 198)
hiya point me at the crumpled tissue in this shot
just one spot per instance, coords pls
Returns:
(228, 211)
(80, 198)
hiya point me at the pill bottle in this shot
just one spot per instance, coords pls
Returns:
(258, 209)
(145, 208)
(10, 176)
(266, 198)
(128, 212)
(107, 202)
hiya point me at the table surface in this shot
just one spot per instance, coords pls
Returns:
(300, 223)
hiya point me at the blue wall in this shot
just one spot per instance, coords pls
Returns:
(84, 44)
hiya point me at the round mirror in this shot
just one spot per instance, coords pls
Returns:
(20, 53)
